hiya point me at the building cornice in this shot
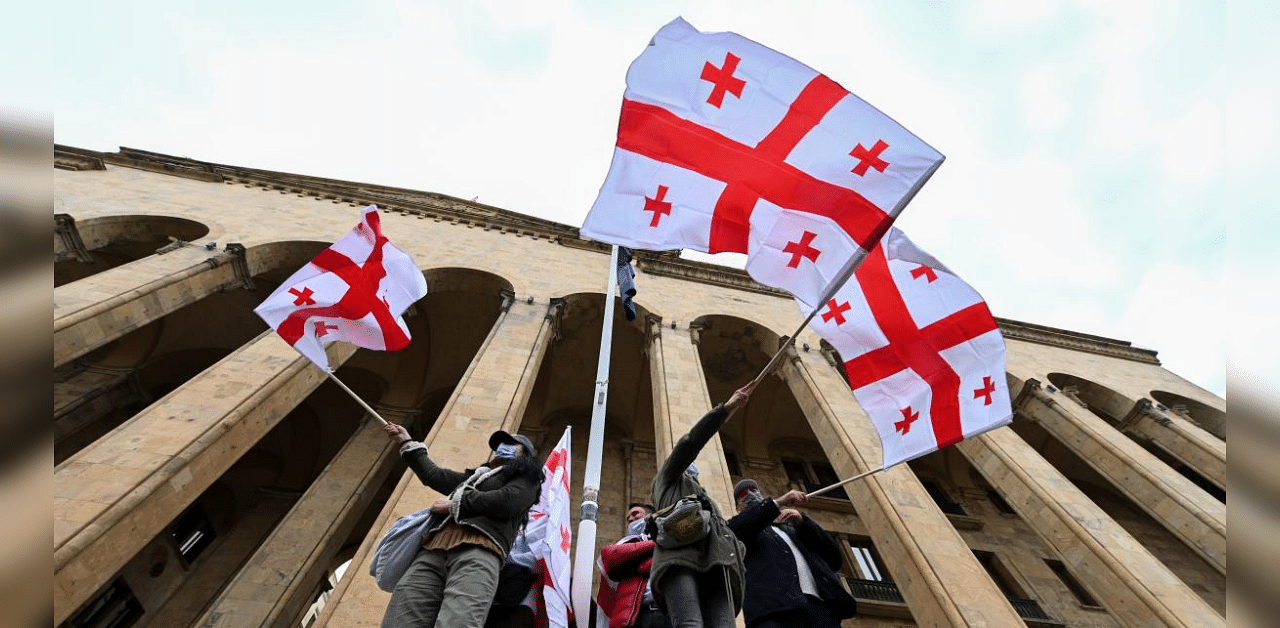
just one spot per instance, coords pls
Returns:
(444, 208)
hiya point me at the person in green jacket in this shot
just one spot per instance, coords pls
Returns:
(700, 584)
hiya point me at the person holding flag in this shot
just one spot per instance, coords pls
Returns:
(697, 571)
(452, 580)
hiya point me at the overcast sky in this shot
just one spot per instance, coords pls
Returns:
(1084, 186)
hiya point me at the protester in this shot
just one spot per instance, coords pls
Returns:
(625, 596)
(698, 583)
(452, 580)
(791, 563)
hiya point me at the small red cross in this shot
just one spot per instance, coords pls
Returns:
(566, 540)
(658, 206)
(869, 158)
(322, 328)
(924, 271)
(802, 249)
(908, 417)
(304, 296)
(988, 387)
(723, 79)
(836, 311)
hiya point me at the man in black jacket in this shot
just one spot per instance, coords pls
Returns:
(791, 564)
(452, 580)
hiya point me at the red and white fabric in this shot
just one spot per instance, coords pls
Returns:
(355, 290)
(922, 351)
(550, 537)
(714, 125)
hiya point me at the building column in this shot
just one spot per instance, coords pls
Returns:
(492, 395)
(276, 584)
(680, 398)
(1183, 508)
(1181, 438)
(83, 399)
(1134, 586)
(112, 497)
(934, 568)
(96, 310)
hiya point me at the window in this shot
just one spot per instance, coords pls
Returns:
(1073, 585)
(866, 561)
(941, 498)
(998, 574)
(1001, 505)
(114, 607)
(193, 533)
(810, 477)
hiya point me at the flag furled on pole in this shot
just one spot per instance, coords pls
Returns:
(550, 537)
(714, 125)
(356, 290)
(923, 354)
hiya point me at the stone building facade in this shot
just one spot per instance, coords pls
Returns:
(207, 475)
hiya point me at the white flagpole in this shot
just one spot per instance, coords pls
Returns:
(584, 556)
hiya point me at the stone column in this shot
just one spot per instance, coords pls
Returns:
(96, 310)
(1134, 586)
(275, 586)
(680, 398)
(114, 496)
(1179, 505)
(83, 399)
(1181, 438)
(941, 581)
(492, 395)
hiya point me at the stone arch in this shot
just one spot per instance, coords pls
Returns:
(1100, 400)
(1211, 419)
(110, 241)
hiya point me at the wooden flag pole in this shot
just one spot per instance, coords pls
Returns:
(843, 482)
(356, 397)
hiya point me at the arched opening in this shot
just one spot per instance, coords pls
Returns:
(117, 240)
(1102, 401)
(1210, 419)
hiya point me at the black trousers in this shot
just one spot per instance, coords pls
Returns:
(811, 615)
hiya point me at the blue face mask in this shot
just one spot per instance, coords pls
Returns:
(636, 527)
(505, 451)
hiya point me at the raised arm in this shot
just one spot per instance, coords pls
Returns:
(687, 448)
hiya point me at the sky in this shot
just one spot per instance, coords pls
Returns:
(1086, 184)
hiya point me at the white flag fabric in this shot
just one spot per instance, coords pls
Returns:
(355, 290)
(714, 125)
(923, 354)
(550, 537)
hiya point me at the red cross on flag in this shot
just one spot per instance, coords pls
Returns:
(923, 354)
(355, 290)
(714, 125)
(550, 537)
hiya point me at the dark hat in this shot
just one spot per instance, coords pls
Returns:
(500, 437)
(742, 488)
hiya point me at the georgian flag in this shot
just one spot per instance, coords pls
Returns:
(355, 290)
(714, 125)
(922, 351)
(549, 537)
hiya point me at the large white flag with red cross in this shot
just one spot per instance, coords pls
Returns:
(549, 535)
(714, 126)
(355, 290)
(922, 351)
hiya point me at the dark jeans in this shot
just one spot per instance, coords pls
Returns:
(812, 615)
(651, 617)
(697, 600)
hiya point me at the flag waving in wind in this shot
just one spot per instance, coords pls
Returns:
(548, 536)
(922, 351)
(355, 290)
(714, 125)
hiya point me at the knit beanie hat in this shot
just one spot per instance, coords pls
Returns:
(742, 488)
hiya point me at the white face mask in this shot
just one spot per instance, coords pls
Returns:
(636, 527)
(505, 451)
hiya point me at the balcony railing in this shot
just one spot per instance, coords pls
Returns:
(874, 590)
(1028, 609)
